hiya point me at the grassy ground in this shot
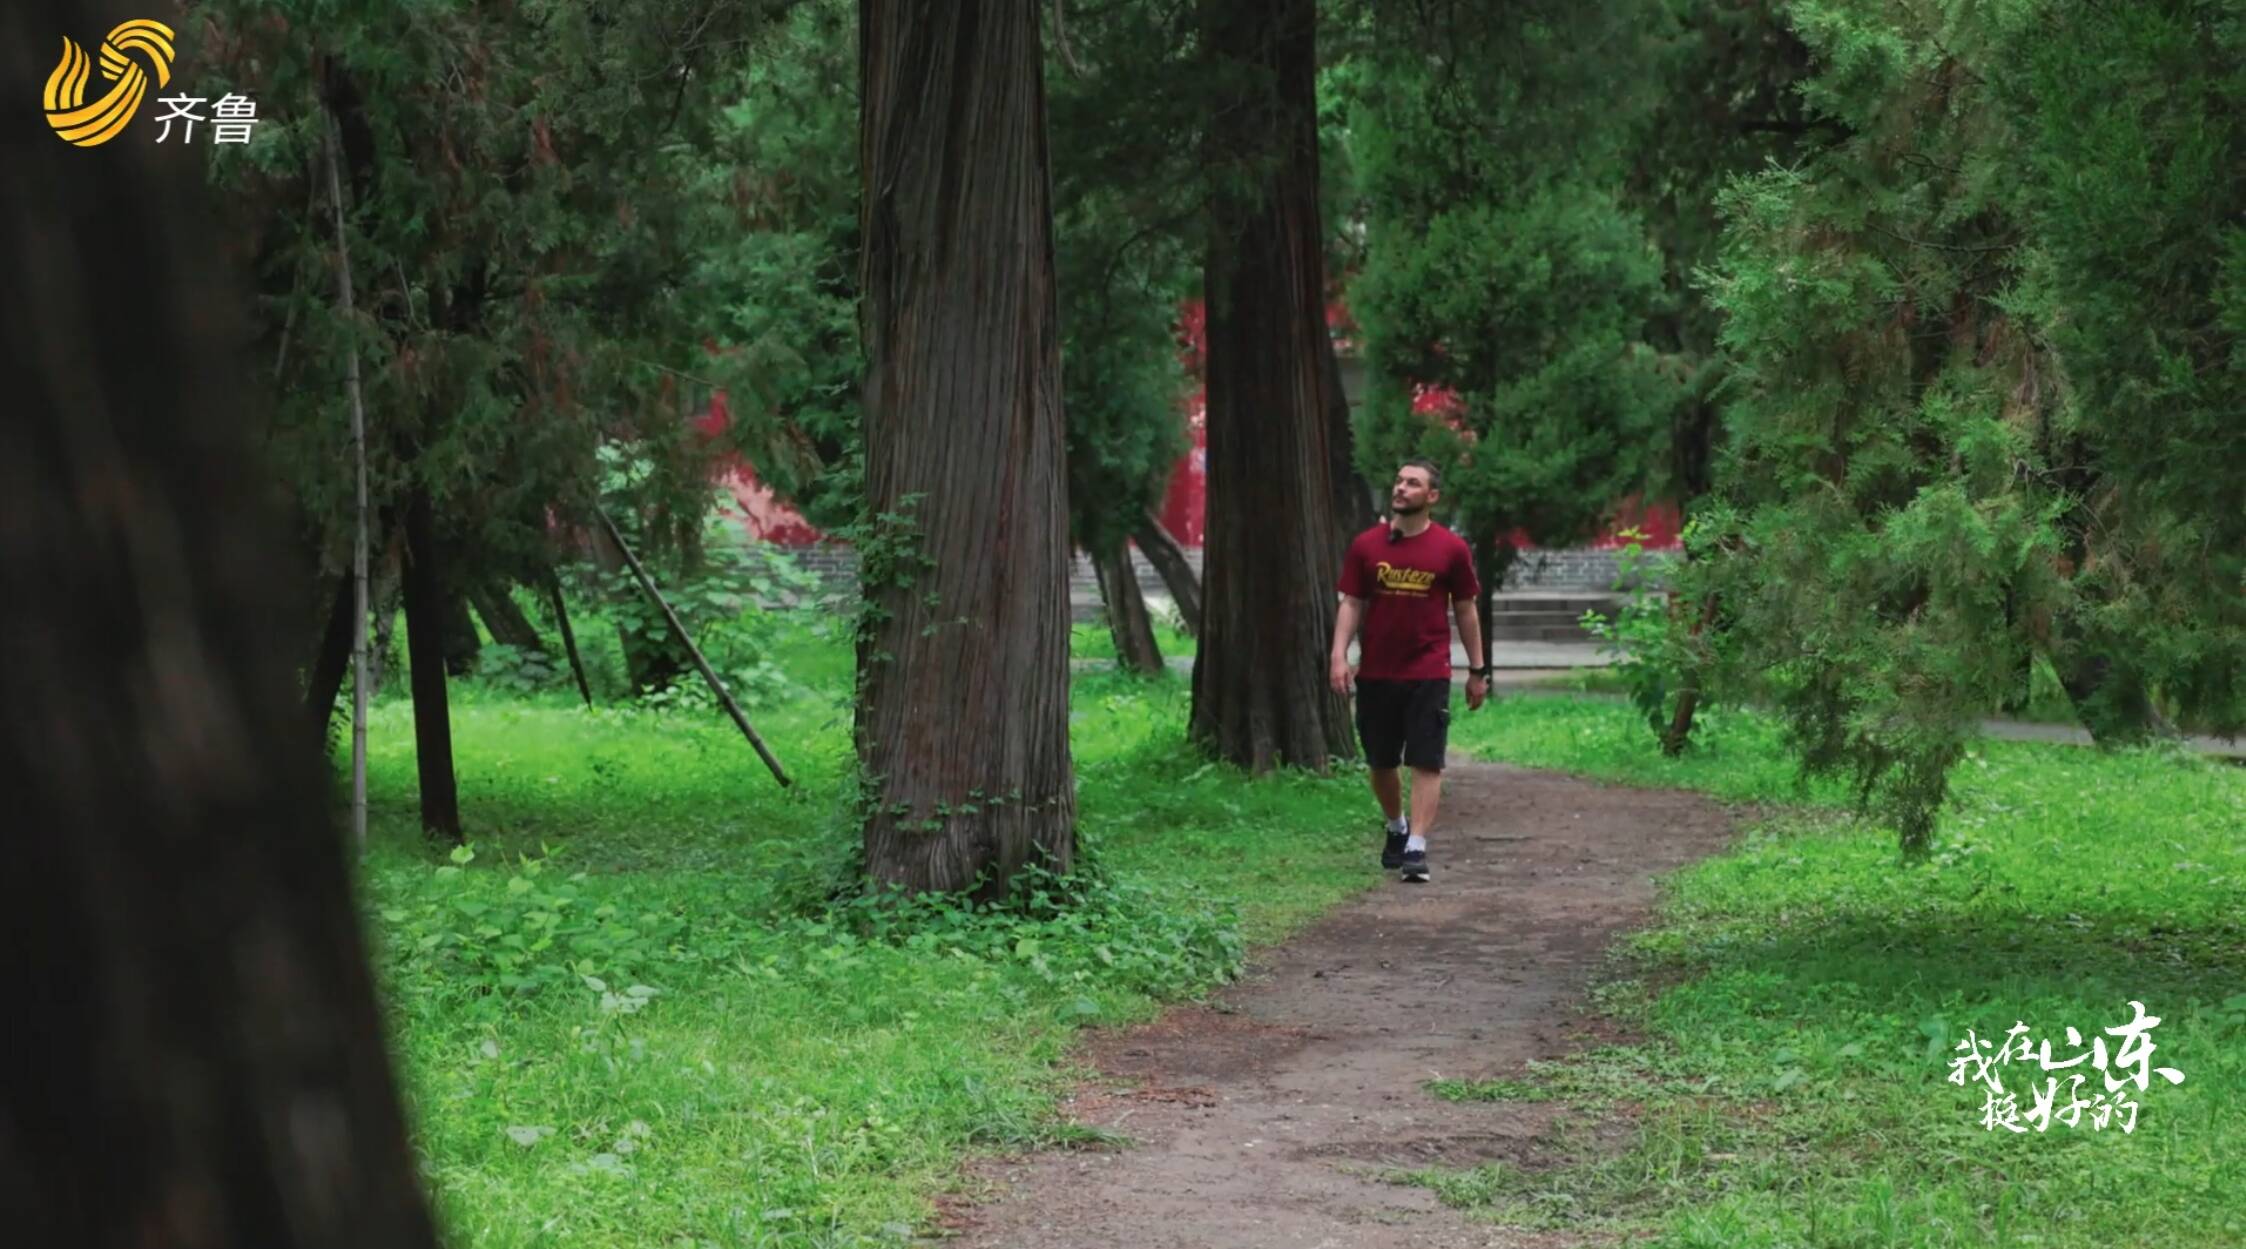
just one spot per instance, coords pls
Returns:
(1801, 998)
(1097, 641)
(637, 1017)
(2046, 703)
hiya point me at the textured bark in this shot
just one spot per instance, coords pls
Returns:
(1260, 696)
(425, 662)
(506, 622)
(1679, 733)
(962, 718)
(2111, 699)
(461, 642)
(1354, 512)
(331, 661)
(1127, 621)
(1168, 558)
(195, 1060)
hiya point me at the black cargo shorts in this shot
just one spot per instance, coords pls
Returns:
(1404, 722)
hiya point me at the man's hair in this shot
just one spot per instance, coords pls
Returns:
(1434, 474)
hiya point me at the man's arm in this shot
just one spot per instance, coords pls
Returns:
(1345, 628)
(1469, 619)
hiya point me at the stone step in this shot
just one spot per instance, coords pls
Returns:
(1538, 633)
(1532, 618)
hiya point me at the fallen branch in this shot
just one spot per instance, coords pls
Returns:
(678, 630)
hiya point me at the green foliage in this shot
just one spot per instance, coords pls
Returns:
(1888, 545)
(516, 671)
(756, 1023)
(787, 260)
(1503, 264)
(1652, 659)
(521, 932)
(1800, 999)
(1123, 222)
(1939, 462)
(2132, 141)
(1122, 382)
(524, 218)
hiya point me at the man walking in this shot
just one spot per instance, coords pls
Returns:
(1403, 581)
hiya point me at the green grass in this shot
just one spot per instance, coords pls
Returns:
(639, 1016)
(1096, 641)
(1801, 995)
(2047, 701)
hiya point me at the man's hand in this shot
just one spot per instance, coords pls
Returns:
(1341, 676)
(1477, 691)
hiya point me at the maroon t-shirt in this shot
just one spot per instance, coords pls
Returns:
(1408, 586)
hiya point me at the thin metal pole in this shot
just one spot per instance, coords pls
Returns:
(359, 537)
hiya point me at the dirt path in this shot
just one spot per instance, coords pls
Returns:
(1262, 1120)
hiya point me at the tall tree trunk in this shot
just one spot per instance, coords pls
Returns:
(331, 661)
(1260, 697)
(963, 434)
(506, 622)
(1127, 621)
(425, 658)
(197, 1060)
(1168, 558)
(1353, 498)
(1679, 732)
(1493, 560)
(2111, 699)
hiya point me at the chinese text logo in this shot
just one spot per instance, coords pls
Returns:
(90, 125)
(2130, 1065)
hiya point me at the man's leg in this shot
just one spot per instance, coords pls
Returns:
(1388, 788)
(1426, 742)
(1427, 796)
(1380, 730)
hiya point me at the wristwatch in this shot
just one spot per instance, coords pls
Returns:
(1482, 672)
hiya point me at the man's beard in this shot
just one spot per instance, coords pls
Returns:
(1402, 509)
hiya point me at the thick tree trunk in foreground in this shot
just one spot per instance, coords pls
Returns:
(1168, 558)
(425, 663)
(1260, 697)
(1127, 621)
(194, 1057)
(962, 719)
